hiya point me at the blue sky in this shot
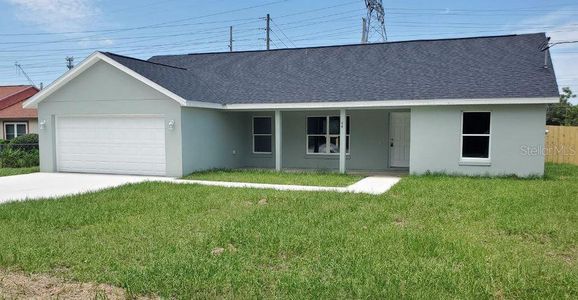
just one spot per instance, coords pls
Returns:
(39, 34)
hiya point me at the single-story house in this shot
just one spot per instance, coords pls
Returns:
(14, 119)
(473, 106)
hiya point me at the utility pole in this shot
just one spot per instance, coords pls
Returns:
(230, 38)
(268, 29)
(69, 62)
(364, 31)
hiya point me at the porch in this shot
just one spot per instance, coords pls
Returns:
(377, 141)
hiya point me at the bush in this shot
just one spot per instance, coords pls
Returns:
(20, 152)
(25, 142)
(18, 158)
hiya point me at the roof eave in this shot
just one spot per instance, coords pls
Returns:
(388, 103)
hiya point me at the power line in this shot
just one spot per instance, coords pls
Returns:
(164, 23)
(279, 39)
(283, 33)
(138, 44)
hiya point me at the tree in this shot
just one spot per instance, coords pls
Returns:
(563, 113)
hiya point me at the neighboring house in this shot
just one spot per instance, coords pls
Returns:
(464, 105)
(14, 119)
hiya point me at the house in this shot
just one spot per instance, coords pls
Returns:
(465, 106)
(14, 119)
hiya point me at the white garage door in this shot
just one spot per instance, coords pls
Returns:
(110, 144)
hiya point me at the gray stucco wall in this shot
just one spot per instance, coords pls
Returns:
(369, 146)
(435, 140)
(104, 90)
(212, 139)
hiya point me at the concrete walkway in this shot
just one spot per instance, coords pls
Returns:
(280, 187)
(374, 185)
(53, 185)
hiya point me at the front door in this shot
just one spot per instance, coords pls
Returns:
(399, 139)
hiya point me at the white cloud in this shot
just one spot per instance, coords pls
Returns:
(56, 15)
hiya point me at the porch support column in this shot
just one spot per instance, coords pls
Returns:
(342, 139)
(278, 146)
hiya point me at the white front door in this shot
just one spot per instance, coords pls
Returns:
(399, 131)
(111, 144)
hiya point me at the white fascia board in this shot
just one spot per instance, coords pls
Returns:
(87, 63)
(389, 103)
(200, 104)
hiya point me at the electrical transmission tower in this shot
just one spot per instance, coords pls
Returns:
(374, 22)
(69, 62)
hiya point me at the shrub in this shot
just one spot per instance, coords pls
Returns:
(20, 152)
(18, 158)
(25, 142)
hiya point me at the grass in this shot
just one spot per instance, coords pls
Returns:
(17, 171)
(273, 177)
(429, 237)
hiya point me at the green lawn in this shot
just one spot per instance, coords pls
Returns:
(17, 171)
(273, 177)
(429, 237)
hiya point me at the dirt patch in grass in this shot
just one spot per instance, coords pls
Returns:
(16, 285)
(400, 222)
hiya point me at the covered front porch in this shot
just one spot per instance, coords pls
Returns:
(376, 140)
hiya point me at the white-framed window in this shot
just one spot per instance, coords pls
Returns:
(476, 136)
(262, 135)
(323, 135)
(14, 129)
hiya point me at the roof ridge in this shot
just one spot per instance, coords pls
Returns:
(353, 45)
(27, 87)
(10, 100)
(146, 61)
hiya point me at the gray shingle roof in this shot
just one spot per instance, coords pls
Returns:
(467, 68)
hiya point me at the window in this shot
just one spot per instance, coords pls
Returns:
(262, 135)
(323, 135)
(15, 129)
(476, 136)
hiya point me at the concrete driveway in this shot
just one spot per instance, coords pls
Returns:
(50, 185)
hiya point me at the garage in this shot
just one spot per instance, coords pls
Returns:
(111, 144)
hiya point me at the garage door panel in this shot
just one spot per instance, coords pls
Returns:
(150, 159)
(87, 135)
(91, 148)
(112, 144)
